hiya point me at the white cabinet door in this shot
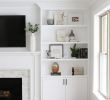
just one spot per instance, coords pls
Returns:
(53, 88)
(76, 89)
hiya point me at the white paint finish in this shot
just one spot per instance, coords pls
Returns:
(48, 35)
(95, 9)
(86, 2)
(27, 60)
(16, 61)
(25, 75)
(76, 89)
(37, 78)
(65, 66)
(53, 89)
(61, 5)
(80, 33)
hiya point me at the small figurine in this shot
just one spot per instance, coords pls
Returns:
(71, 36)
(55, 67)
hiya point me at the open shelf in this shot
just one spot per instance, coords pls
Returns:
(37, 53)
(76, 42)
(83, 26)
(65, 76)
(74, 21)
(63, 59)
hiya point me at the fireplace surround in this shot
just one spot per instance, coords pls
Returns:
(14, 85)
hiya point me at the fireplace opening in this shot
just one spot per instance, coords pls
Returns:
(10, 88)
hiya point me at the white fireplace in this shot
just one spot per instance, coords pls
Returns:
(24, 75)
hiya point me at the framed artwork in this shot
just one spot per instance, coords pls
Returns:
(77, 71)
(60, 35)
(56, 51)
(75, 19)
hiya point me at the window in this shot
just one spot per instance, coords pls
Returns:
(104, 57)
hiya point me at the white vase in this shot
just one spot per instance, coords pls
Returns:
(33, 42)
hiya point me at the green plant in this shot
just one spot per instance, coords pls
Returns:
(73, 50)
(32, 28)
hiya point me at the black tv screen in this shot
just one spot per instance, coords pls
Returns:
(12, 31)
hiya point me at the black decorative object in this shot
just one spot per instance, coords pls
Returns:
(83, 53)
(79, 52)
(55, 74)
(72, 70)
(71, 36)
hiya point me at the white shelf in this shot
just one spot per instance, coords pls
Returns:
(37, 53)
(64, 42)
(83, 26)
(80, 59)
(64, 76)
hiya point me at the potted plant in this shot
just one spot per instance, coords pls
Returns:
(32, 29)
(74, 51)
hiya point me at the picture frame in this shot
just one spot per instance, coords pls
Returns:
(74, 19)
(77, 71)
(56, 51)
(60, 35)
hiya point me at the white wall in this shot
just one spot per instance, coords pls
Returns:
(98, 6)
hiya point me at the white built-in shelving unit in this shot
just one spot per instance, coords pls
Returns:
(71, 87)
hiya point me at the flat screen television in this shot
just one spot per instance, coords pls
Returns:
(12, 31)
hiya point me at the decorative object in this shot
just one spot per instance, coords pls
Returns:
(74, 51)
(55, 69)
(83, 52)
(32, 29)
(60, 35)
(72, 37)
(54, 74)
(48, 52)
(75, 19)
(59, 18)
(77, 71)
(56, 51)
(50, 18)
(33, 42)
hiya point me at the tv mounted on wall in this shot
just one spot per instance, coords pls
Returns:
(12, 31)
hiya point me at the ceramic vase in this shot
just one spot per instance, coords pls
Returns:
(50, 18)
(33, 42)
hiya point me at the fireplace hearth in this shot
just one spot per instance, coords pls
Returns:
(10, 88)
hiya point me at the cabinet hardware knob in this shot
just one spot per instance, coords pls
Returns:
(63, 81)
(66, 81)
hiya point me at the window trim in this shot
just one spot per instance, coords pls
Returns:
(108, 52)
